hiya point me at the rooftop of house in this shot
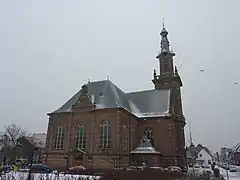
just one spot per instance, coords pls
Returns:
(192, 151)
(105, 94)
(236, 148)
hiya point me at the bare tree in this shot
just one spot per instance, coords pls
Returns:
(113, 158)
(12, 134)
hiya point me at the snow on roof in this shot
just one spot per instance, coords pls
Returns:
(145, 147)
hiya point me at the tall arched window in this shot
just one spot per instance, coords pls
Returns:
(148, 133)
(58, 138)
(80, 137)
(105, 135)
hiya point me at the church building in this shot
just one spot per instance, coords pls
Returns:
(103, 127)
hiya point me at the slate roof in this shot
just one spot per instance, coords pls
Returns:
(152, 103)
(145, 147)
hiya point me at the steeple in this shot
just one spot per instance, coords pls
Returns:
(164, 42)
(168, 77)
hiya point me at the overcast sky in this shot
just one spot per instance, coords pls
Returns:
(48, 49)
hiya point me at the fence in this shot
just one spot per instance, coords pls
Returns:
(98, 175)
(146, 174)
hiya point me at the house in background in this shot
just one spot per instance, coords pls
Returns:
(234, 155)
(191, 155)
(224, 154)
(26, 149)
(199, 155)
(39, 140)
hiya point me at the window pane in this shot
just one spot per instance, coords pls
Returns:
(105, 135)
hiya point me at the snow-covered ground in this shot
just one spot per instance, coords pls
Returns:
(231, 175)
(199, 171)
(24, 175)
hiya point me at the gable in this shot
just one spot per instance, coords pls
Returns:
(84, 100)
(204, 154)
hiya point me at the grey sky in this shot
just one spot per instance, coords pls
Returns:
(48, 49)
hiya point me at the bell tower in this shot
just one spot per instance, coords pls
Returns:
(168, 77)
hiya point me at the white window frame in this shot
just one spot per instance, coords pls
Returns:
(59, 138)
(80, 142)
(105, 138)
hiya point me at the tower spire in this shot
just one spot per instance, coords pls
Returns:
(168, 77)
(176, 70)
(190, 133)
(164, 41)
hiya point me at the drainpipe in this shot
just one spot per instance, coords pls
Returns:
(129, 139)
(70, 140)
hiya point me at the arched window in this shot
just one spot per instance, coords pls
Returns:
(148, 133)
(105, 135)
(80, 137)
(58, 138)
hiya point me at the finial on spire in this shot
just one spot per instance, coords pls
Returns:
(176, 70)
(154, 74)
(107, 77)
(164, 42)
(89, 80)
(84, 88)
(163, 23)
(173, 54)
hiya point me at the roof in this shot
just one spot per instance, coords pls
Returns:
(145, 147)
(151, 103)
(236, 148)
(192, 151)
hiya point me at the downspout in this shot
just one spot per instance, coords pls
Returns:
(69, 152)
(129, 139)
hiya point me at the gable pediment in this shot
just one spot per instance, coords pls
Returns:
(84, 101)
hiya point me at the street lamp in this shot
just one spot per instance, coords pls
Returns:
(31, 162)
(226, 159)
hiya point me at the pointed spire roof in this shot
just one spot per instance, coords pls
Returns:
(164, 41)
(165, 45)
(154, 74)
(176, 70)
